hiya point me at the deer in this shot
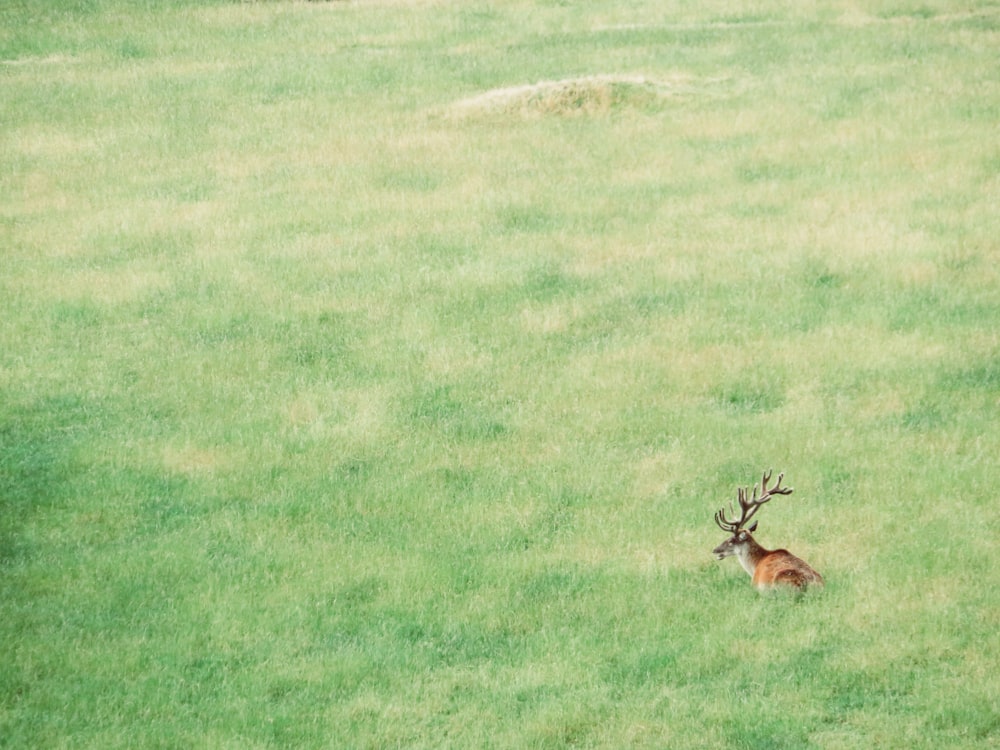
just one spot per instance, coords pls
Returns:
(768, 569)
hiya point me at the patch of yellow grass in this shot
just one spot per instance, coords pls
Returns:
(448, 360)
(303, 411)
(584, 95)
(652, 472)
(547, 319)
(103, 287)
(190, 459)
(45, 143)
(40, 60)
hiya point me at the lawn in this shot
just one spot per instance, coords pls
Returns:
(370, 373)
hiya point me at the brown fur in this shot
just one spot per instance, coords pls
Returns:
(782, 568)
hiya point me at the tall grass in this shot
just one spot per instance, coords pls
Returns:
(370, 373)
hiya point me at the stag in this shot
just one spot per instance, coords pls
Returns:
(768, 569)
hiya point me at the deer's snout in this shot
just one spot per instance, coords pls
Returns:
(723, 551)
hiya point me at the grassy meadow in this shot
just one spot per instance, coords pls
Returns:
(370, 373)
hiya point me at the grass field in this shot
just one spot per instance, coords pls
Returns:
(370, 373)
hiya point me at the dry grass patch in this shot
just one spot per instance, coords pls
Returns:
(566, 97)
(190, 459)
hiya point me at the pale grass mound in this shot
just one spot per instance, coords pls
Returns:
(585, 95)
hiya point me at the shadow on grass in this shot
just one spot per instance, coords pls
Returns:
(36, 463)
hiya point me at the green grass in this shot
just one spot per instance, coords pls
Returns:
(352, 396)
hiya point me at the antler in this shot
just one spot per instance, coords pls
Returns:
(749, 507)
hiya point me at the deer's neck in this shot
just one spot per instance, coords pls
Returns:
(749, 554)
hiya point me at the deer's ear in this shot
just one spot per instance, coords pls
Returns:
(753, 527)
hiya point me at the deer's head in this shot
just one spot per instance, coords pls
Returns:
(739, 533)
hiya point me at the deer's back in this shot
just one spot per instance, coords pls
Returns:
(782, 568)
